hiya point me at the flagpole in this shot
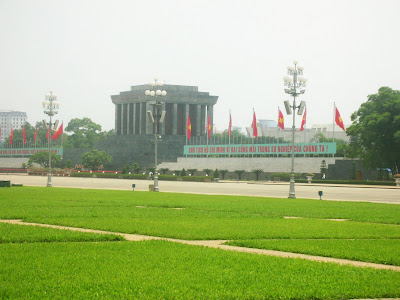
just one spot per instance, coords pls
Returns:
(186, 132)
(230, 132)
(279, 131)
(206, 120)
(62, 138)
(333, 121)
(333, 124)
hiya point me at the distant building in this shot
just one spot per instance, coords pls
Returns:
(11, 119)
(269, 128)
(267, 123)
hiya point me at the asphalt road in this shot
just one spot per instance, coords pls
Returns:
(262, 189)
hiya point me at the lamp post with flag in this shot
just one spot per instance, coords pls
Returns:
(295, 84)
(50, 106)
(156, 119)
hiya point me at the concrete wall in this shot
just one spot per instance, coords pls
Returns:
(134, 148)
(8, 162)
(267, 164)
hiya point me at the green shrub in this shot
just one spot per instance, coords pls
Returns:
(197, 178)
(81, 174)
(284, 176)
(107, 175)
(134, 176)
(362, 182)
(168, 177)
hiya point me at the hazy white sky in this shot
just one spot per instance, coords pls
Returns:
(86, 51)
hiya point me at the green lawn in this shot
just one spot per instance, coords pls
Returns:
(164, 270)
(11, 233)
(203, 217)
(50, 263)
(382, 251)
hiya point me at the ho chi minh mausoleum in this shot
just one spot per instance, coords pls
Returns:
(179, 103)
(134, 139)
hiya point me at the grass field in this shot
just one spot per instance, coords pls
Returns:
(384, 251)
(50, 263)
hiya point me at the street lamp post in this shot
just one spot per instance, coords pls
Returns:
(158, 119)
(50, 106)
(295, 87)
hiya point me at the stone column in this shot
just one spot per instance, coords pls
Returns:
(204, 120)
(210, 112)
(128, 112)
(134, 118)
(149, 124)
(162, 125)
(122, 119)
(140, 117)
(198, 120)
(174, 119)
(186, 117)
(116, 118)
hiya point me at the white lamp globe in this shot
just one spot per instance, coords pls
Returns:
(152, 93)
(164, 93)
(158, 92)
(147, 93)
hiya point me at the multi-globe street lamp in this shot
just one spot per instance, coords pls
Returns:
(156, 119)
(295, 84)
(50, 106)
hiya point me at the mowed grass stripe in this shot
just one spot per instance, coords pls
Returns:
(11, 233)
(203, 216)
(33, 200)
(159, 269)
(382, 251)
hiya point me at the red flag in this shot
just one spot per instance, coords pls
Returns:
(254, 125)
(303, 122)
(11, 135)
(230, 125)
(35, 134)
(208, 128)
(189, 128)
(281, 123)
(24, 135)
(338, 119)
(58, 132)
(48, 133)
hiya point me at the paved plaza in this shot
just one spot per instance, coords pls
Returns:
(261, 189)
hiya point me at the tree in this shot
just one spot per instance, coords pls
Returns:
(375, 132)
(342, 147)
(183, 172)
(136, 167)
(164, 170)
(68, 164)
(223, 172)
(216, 173)
(207, 171)
(257, 172)
(42, 158)
(192, 171)
(239, 173)
(84, 133)
(95, 159)
(126, 169)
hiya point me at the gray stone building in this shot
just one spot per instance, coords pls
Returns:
(134, 139)
(179, 103)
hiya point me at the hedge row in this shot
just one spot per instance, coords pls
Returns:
(284, 176)
(143, 176)
(361, 182)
